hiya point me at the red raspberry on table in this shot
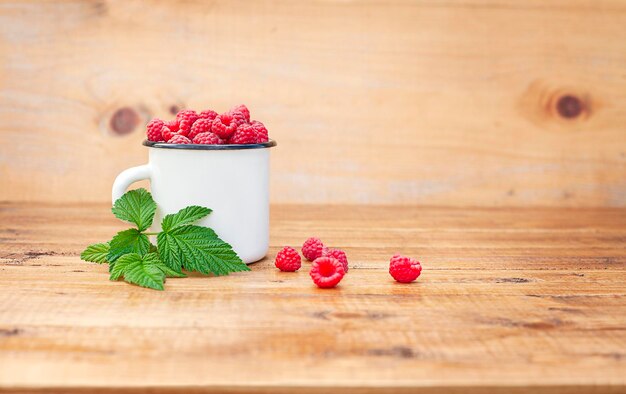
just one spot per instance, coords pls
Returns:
(167, 133)
(207, 114)
(288, 259)
(200, 126)
(207, 138)
(312, 248)
(224, 125)
(187, 114)
(404, 269)
(337, 254)
(327, 272)
(262, 135)
(243, 110)
(172, 125)
(245, 134)
(179, 139)
(184, 127)
(153, 130)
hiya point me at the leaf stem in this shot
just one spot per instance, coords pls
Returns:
(155, 233)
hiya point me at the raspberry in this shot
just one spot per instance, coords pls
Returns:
(337, 254)
(404, 269)
(239, 117)
(172, 125)
(261, 131)
(312, 248)
(207, 138)
(200, 126)
(243, 110)
(153, 130)
(208, 114)
(179, 139)
(167, 133)
(187, 114)
(288, 260)
(184, 127)
(245, 134)
(224, 125)
(326, 272)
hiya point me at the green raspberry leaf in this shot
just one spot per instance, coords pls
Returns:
(143, 271)
(136, 206)
(197, 248)
(128, 241)
(96, 253)
(170, 273)
(183, 217)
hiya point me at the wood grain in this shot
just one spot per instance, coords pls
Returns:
(462, 102)
(510, 301)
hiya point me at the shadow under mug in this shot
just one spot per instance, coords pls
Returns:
(232, 180)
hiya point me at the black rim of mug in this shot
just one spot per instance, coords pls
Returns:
(164, 145)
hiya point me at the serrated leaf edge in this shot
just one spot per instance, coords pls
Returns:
(131, 202)
(85, 254)
(167, 225)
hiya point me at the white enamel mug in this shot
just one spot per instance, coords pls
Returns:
(232, 180)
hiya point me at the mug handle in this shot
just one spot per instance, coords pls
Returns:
(127, 177)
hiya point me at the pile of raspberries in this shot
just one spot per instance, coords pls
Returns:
(209, 128)
(330, 265)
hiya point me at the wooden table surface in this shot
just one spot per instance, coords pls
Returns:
(510, 300)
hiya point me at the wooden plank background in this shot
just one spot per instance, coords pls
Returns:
(434, 102)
